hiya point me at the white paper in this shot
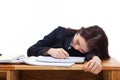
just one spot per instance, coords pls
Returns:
(32, 61)
(67, 60)
(11, 59)
(41, 60)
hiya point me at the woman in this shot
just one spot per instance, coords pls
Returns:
(61, 43)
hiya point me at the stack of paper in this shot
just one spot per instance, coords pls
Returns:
(33, 61)
(50, 61)
(67, 60)
(41, 60)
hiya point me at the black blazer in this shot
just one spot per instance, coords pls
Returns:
(58, 38)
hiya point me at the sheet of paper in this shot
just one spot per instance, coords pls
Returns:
(32, 61)
(68, 60)
(11, 59)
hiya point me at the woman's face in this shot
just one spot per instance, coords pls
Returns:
(79, 43)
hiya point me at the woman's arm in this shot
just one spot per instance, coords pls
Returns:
(46, 43)
(94, 65)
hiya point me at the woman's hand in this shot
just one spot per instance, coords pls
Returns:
(94, 65)
(59, 53)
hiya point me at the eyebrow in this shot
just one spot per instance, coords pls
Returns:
(79, 45)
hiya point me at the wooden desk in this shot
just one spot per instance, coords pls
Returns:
(111, 71)
(7, 72)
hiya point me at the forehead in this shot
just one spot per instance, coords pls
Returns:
(83, 42)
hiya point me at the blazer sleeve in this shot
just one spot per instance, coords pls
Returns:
(43, 45)
(90, 55)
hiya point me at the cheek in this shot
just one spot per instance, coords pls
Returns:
(76, 47)
(74, 42)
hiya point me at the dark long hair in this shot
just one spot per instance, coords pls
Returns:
(96, 39)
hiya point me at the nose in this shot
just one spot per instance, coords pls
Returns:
(77, 48)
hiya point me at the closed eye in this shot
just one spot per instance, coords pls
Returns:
(78, 43)
(83, 51)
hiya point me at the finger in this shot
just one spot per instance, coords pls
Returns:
(97, 70)
(62, 55)
(56, 56)
(91, 65)
(65, 53)
(86, 65)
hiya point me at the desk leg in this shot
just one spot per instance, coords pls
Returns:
(12, 75)
(111, 75)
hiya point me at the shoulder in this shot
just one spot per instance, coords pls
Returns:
(60, 28)
(67, 31)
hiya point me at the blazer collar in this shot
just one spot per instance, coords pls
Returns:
(68, 40)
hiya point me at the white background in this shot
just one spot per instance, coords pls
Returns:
(24, 22)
